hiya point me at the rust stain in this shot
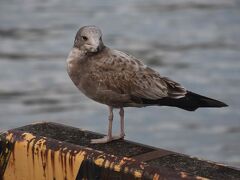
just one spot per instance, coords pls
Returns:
(44, 158)
(28, 145)
(50, 159)
(53, 162)
(71, 161)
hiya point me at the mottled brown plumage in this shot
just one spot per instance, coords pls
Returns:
(120, 80)
(122, 76)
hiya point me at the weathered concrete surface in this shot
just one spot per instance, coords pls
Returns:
(54, 151)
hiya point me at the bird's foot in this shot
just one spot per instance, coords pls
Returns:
(107, 139)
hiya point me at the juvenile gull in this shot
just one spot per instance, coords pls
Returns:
(120, 80)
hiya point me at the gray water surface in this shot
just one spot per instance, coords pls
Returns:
(195, 42)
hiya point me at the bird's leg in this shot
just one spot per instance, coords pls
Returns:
(109, 137)
(122, 134)
(121, 113)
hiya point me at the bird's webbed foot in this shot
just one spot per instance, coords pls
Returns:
(107, 139)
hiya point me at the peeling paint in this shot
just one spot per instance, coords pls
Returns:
(138, 174)
(117, 168)
(36, 157)
(32, 153)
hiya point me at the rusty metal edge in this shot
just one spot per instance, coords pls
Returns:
(63, 125)
(168, 152)
(134, 167)
(165, 152)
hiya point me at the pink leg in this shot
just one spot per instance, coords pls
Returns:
(110, 121)
(122, 134)
(121, 113)
(109, 137)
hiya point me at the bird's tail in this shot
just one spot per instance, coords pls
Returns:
(192, 101)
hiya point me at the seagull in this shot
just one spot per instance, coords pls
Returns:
(119, 80)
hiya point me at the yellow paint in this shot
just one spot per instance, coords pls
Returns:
(122, 162)
(9, 137)
(107, 164)
(138, 174)
(28, 136)
(31, 159)
(28, 160)
(117, 167)
(128, 158)
(99, 161)
(126, 169)
(201, 178)
(111, 165)
(156, 177)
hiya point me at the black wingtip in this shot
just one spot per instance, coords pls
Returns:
(208, 102)
(224, 104)
(190, 102)
(204, 101)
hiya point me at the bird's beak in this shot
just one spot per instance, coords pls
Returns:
(93, 45)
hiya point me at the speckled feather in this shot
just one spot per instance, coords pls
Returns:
(122, 74)
(126, 74)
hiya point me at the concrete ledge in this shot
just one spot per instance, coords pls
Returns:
(55, 151)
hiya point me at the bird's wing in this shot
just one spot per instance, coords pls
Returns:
(126, 74)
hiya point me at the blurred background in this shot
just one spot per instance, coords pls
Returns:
(195, 42)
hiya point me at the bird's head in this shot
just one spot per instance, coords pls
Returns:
(89, 39)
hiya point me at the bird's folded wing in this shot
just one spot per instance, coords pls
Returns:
(125, 74)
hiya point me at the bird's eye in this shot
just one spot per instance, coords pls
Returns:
(84, 38)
